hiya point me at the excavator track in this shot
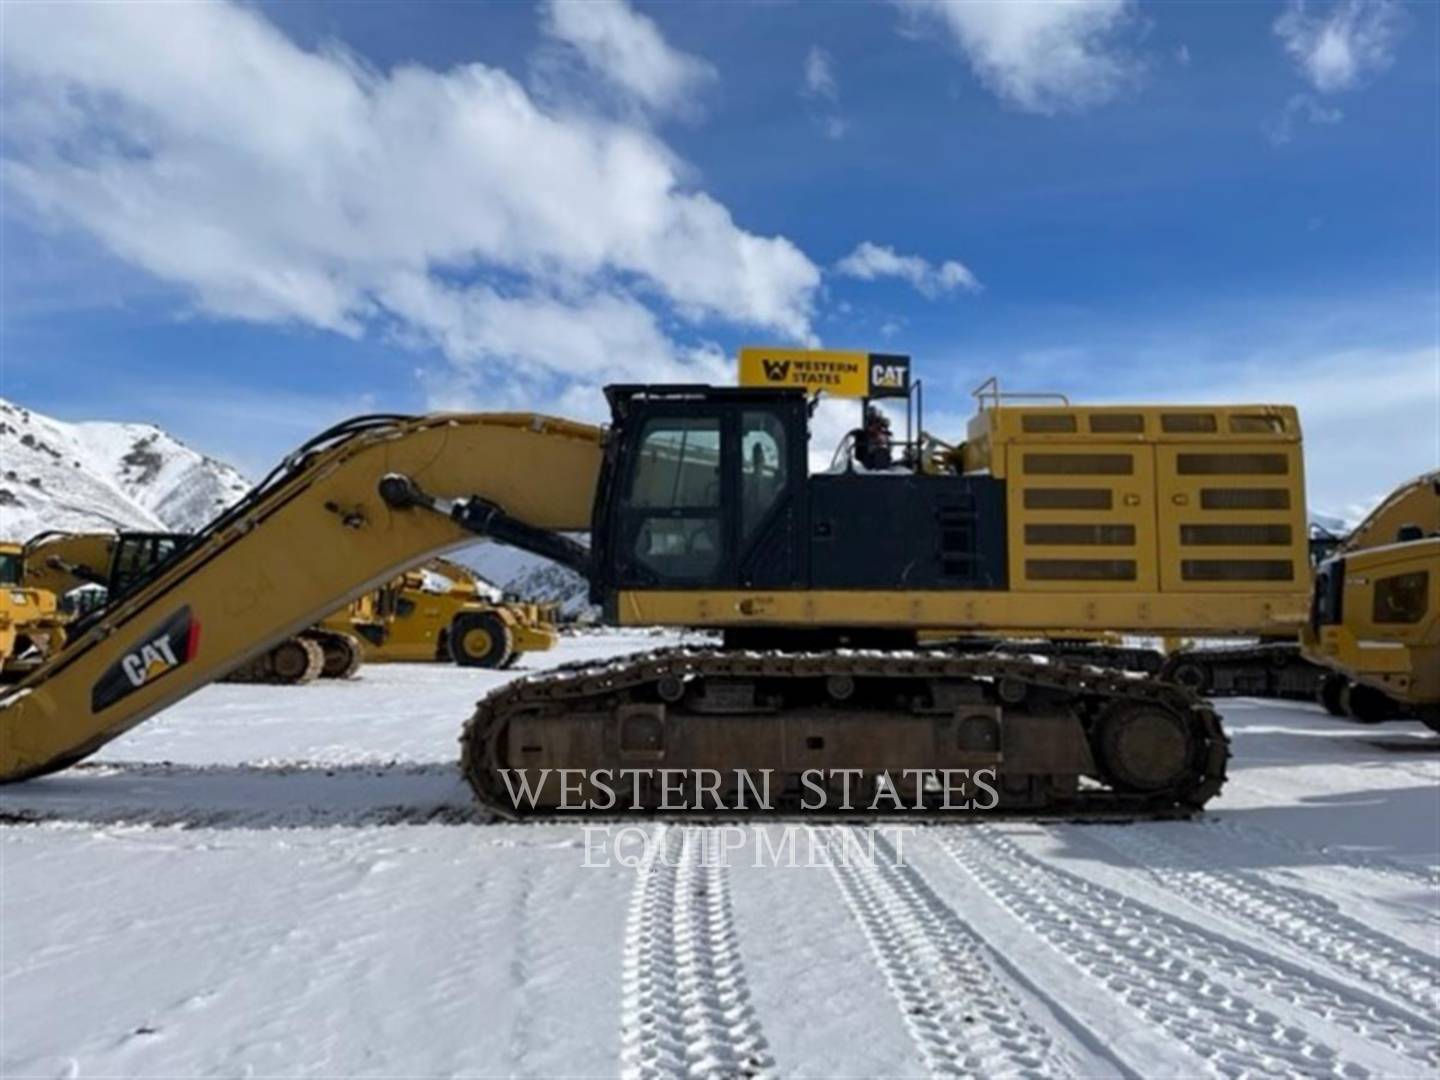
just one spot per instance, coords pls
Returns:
(293, 662)
(1064, 740)
(1266, 669)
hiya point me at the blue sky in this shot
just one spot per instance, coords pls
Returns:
(246, 221)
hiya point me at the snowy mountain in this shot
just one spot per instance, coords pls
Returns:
(530, 576)
(100, 475)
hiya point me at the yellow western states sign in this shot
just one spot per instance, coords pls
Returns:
(835, 373)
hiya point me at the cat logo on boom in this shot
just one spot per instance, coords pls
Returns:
(154, 656)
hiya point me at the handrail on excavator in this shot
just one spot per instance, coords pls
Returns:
(989, 391)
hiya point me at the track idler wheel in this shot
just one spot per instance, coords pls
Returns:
(1366, 705)
(1144, 747)
(1190, 674)
(480, 639)
(1330, 693)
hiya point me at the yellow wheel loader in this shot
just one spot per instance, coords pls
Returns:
(702, 512)
(31, 627)
(96, 567)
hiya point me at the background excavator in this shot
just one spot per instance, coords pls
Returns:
(1375, 617)
(99, 566)
(702, 512)
(443, 611)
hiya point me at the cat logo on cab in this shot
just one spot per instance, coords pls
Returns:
(154, 656)
(889, 375)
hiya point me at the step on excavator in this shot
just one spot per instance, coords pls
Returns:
(702, 511)
(96, 567)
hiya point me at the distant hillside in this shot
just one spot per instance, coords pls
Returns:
(530, 576)
(100, 475)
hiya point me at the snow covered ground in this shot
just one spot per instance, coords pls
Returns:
(269, 881)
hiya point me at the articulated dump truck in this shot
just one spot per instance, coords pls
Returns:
(702, 511)
(444, 612)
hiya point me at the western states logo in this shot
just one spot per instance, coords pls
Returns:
(776, 370)
(155, 655)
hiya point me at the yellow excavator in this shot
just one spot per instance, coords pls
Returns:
(31, 627)
(1375, 617)
(95, 567)
(702, 512)
(441, 612)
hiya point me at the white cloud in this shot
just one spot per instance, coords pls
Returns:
(198, 143)
(871, 261)
(819, 75)
(1301, 107)
(627, 48)
(1042, 56)
(822, 90)
(1336, 50)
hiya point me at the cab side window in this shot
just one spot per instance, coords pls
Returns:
(1402, 598)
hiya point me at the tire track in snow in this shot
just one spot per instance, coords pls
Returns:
(1311, 923)
(1429, 876)
(961, 1016)
(686, 1006)
(1158, 965)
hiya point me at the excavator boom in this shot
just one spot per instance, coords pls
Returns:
(317, 533)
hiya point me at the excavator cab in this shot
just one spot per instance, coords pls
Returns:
(709, 484)
(10, 566)
(138, 554)
(708, 488)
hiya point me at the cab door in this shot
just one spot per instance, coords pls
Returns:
(670, 527)
(771, 476)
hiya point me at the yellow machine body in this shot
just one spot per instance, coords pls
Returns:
(1388, 635)
(1413, 505)
(1152, 520)
(31, 627)
(419, 620)
(61, 561)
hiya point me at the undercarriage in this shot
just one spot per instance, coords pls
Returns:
(842, 735)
